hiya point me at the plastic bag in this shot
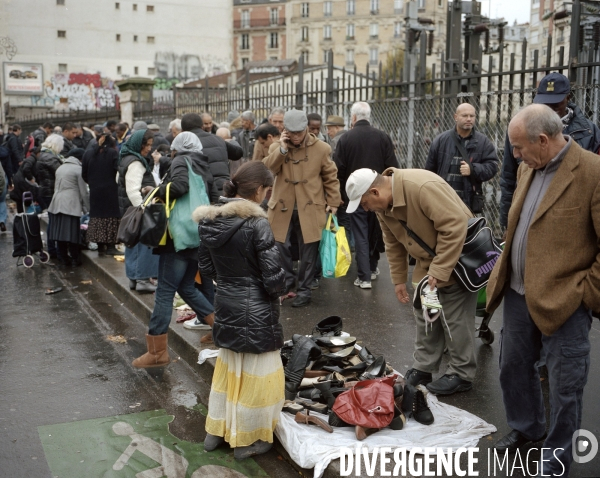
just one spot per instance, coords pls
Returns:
(182, 227)
(334, 249)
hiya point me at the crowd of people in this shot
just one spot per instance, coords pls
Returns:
(271, 187)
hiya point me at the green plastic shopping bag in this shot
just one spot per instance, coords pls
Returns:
(334, 249)
(182, 227)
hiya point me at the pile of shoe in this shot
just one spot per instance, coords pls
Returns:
(321, 366)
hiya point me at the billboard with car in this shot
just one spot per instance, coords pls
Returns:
(23, 78)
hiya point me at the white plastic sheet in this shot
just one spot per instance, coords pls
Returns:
(311, 447)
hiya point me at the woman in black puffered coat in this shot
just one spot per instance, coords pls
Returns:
(237, 248)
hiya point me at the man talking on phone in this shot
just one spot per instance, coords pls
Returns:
(306, 188)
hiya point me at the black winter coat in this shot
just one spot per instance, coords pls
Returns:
(219, 152)
(585, 133)
(237, 248)
(83, 140)
(180, 185)
(481, 152)
(45, 171)
(147, 180)
(363, 147)
(15, 149)
(39, 136)
(99, 170)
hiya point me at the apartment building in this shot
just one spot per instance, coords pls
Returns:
(259, 29)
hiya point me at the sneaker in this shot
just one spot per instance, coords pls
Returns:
(363, 284)
(449, 384)
(374, 274)
(314, 284)
(196, 325)
(428, 300)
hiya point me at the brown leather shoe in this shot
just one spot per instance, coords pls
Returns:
(362, 432)
(307, 418)
(157, 355)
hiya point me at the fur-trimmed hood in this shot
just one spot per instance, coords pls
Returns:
(217, 224)
(229, 207)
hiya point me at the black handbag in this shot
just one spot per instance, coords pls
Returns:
(154, 222)
(477, 198)
(479, 254)
(130, 228)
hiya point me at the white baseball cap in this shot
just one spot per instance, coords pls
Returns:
(358, 184)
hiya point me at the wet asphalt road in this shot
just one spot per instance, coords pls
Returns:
(56, 365)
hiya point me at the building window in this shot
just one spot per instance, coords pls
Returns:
(274, 40)
(350, 57)
(534, 37)
(350, 7)
(117, 7)
(373, 56)
(244, 62)
(326, 54)
(62, 34)
(421, 4)
(327, 32)
(150, 39)
(440, 3)
(60, 2)
(374, 30)
(136, 70)
(545, 33)
(305, 57)
(304, 10)
(397, 29)
(327, 8)
(274, 58)
(274, 16)
(119, 69)
(151, 71)
(350, 31)
(304, 34)
(135, 7)
(62, 67)
(374, 7)
(397, 7)
(135, 38)
(149, 8)
(561, 35)
(118, 37)
(245, 41)
(245, 18)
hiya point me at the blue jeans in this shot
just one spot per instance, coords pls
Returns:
(176, 274)
(3, 209)
(140, 263)
(568, 361)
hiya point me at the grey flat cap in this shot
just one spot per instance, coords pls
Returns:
(154, 127)
(233, 115)
(295, 120)
(138, 125)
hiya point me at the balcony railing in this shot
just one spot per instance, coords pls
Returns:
(259, 23)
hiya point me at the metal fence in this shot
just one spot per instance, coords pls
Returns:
(59, 118)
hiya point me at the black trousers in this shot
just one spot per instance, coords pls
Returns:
(366, 260)
(307, 264)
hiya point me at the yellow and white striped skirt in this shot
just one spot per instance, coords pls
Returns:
(246, 397)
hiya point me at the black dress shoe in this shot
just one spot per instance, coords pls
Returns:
(449, 384)
(300, 301)
(514, 441)
(416, 377)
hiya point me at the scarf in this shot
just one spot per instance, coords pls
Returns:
(134, 146)
(566, 119)
(186, 142)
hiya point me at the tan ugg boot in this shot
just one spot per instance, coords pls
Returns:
(157, 354)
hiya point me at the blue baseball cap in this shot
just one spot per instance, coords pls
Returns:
(553, 89)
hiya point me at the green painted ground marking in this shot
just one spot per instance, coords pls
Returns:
(137, 445)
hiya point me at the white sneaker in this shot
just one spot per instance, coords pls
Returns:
(195, 324)
(363, 284)
(374, 274)
(430, 302)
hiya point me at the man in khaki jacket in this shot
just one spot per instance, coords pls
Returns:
(305, 189)
(435, 213)
(549, 276)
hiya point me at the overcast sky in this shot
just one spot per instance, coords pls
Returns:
(509, 9)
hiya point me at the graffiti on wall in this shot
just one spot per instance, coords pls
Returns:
(79, 91)
(174, 68)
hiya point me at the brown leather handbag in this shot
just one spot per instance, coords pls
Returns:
(368, 404)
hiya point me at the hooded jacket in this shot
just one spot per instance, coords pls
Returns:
(45, 171)
(585, 133)
(237, 249)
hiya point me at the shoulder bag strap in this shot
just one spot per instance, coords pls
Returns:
(463, 152)
(417, 239)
